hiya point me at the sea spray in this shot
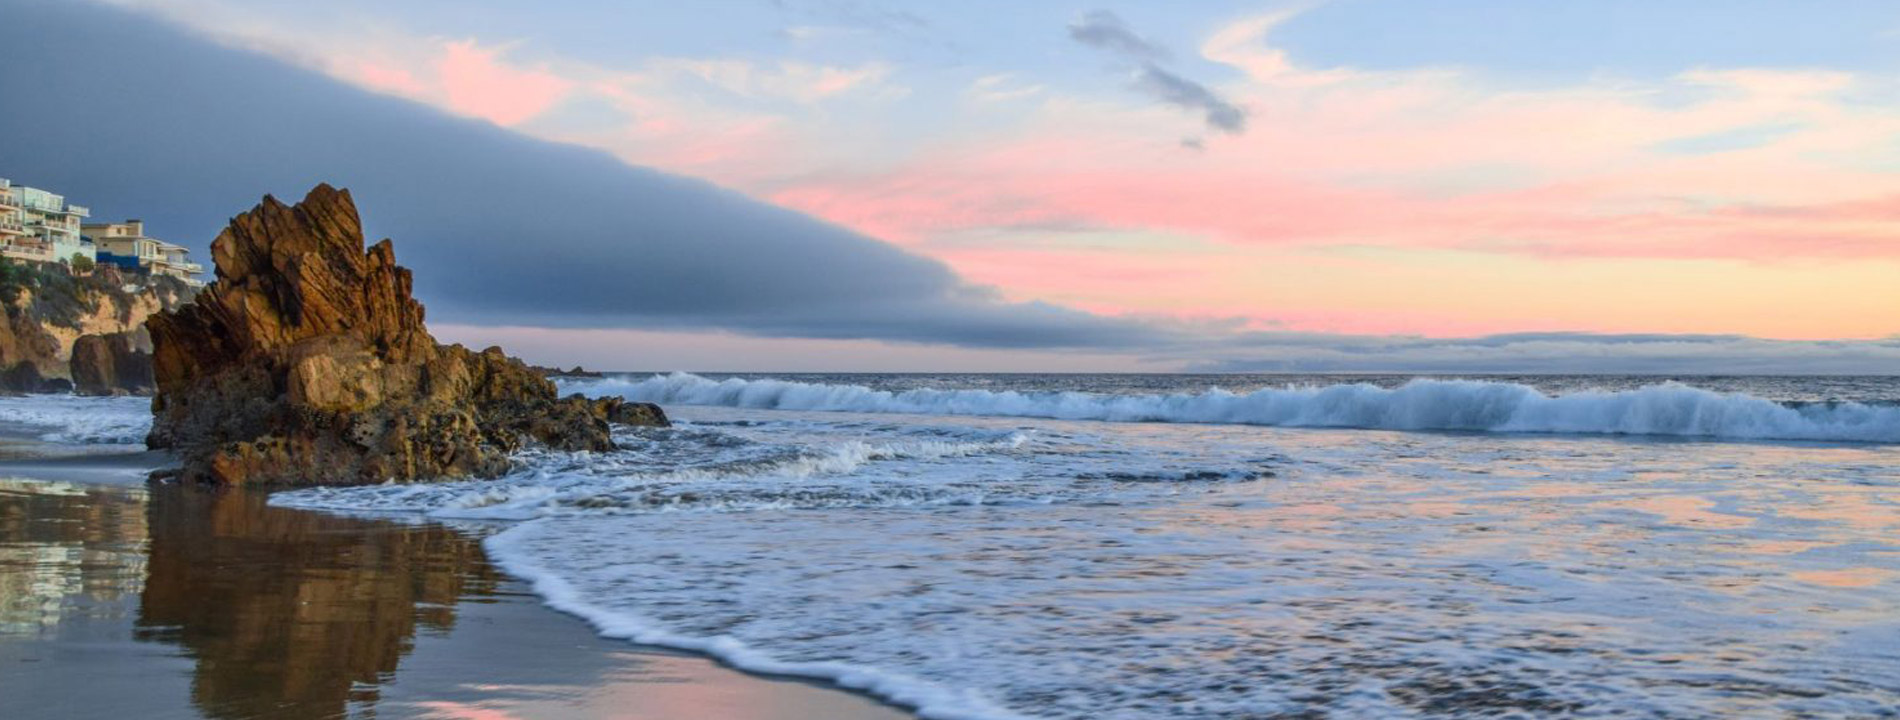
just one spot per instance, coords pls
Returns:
(1666, 409)
(80, 420)
(819, 476)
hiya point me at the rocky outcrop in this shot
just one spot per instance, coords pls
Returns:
(620, 412)
(24, 377)
(48, 308)
(28, 354)
(307, 362)
(112, 364)
(576, 372)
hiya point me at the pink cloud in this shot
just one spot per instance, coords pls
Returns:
(388, 78)
(475, 82)
(1596, 218)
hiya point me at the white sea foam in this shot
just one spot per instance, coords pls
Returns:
(986, 567)
(932, 700)
(1443, 579)
(84, 420)
(732, 473)
(1666, 409)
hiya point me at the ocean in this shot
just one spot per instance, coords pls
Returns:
(1219, 546)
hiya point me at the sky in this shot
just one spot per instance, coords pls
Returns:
(1457, 186)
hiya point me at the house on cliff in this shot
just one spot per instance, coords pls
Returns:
(127, 246)
(40, 226)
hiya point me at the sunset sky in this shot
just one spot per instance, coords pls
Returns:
(1266, 177)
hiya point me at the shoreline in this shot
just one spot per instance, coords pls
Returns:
(166, 601)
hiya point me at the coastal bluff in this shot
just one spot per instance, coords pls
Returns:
(306, 362)
(66, 330)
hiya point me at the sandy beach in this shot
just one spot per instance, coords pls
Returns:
(122, 600)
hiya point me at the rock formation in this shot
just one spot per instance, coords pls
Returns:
(48, 308)
(307, 362)
(24, 377)
(112, 364)
(618, 411)
(576, 372)
(26, 352)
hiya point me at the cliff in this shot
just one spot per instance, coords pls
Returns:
(118, 363)
(48, 310)
(307, 362)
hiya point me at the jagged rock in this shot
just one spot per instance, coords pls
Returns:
(577, 371)
(307, 362)
(28, 353)
(619, 411)
(21, 377)
(111, 364)
(47, 309)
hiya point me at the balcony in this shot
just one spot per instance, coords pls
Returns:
(38, 253)
(177, 265)
(79, 210)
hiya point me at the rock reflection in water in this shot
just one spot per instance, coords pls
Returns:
(292, 613)
(184, 603)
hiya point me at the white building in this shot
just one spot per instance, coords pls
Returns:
(127, 246)
(12, 221)
(46, 227)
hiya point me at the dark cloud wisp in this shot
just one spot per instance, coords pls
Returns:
(1182, 92)
(1104, 30)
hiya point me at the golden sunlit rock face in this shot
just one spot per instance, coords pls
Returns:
(307, 362)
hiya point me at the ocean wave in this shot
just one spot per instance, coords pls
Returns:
(1666, 409)
(80, 420)
(936, 701)
(609, 484)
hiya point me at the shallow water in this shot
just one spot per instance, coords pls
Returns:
(124, 602)
(1143, 546)
(982, 566)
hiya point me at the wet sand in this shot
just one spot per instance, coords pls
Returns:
(119, 600)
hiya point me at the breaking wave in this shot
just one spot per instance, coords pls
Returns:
(605, 484)
(1665, 409)
(80, 420)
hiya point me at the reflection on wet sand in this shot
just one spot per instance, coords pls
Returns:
(177, 603)
(286, 609)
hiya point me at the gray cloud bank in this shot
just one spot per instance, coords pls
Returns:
(133, 116)
(1106, 31)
